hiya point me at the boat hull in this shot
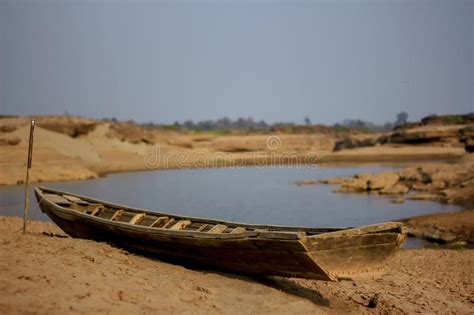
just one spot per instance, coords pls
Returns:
(293, 254)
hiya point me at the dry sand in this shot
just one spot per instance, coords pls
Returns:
(45, 273)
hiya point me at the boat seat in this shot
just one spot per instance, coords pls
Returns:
(180, 225)
(97, 210)
(218, 228)
(202, 227)
(237, 230)
(137, 218)
(117, 215)
(169, 223)
(159, 222)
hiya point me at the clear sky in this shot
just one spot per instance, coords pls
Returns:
(163, 61)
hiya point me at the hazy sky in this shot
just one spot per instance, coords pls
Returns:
(163, 61)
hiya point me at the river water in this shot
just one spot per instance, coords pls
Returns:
(250, 195)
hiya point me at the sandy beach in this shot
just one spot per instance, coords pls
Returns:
(45, 272)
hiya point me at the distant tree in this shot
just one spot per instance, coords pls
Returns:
(402, 119)
(307, 121)
(189, 124)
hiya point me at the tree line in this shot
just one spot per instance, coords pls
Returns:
(249, 123)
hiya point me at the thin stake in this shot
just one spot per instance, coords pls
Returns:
(28, 166)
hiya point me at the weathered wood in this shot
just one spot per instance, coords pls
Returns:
(180, 225)
(159, 222)
(202, 227)
(237, 230)
(313, 253)
(169, 223)
(57, 199)
(219, 228)
(282, 235)
(137, 218)
(97, 210)
(75, 199)
(117, 215)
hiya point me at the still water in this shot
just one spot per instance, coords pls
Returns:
(250, 195)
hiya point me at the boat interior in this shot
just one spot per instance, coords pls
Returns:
(150, 219)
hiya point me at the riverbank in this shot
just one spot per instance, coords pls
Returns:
(75, 148)
(444, 227)
(442, 182)
(79, 276)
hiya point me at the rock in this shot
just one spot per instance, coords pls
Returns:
(438, 185)
(445, 227)
(421, 137)
(469, 146)
(419, 187)
(397, 189)
(467, 137)
(351, 143)
(382, 181)
(398, 200)
(410, 174)
(10, 141)
(307, 182)
(7, 128)
(333, 181)
(374, 300)
(423, 196)
(355, 185)
(426, 178)
(71, 128)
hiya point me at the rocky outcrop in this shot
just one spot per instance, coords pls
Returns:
(72, 129)
(9, 141)
(447, 183)
(351, 143)
(467, 137)
(7, 128)
(130, 132)
(445, 227)
(451, 130)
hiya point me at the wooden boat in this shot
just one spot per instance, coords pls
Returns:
(313, 253)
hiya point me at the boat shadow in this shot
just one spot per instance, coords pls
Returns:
(286, 285)
(294, 288)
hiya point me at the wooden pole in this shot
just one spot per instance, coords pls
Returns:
(28, 167)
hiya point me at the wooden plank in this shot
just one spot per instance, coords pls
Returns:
(75, 199)
(202, 227)
(237, 230)
(394, 227)
(117, 215)
(57, 199)
(282, 235)
(137, 218)
(159, 222)
(218, 228)
(97, 210)
(169, 223)
(180, 225)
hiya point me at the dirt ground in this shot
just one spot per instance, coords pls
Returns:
(44, 272)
